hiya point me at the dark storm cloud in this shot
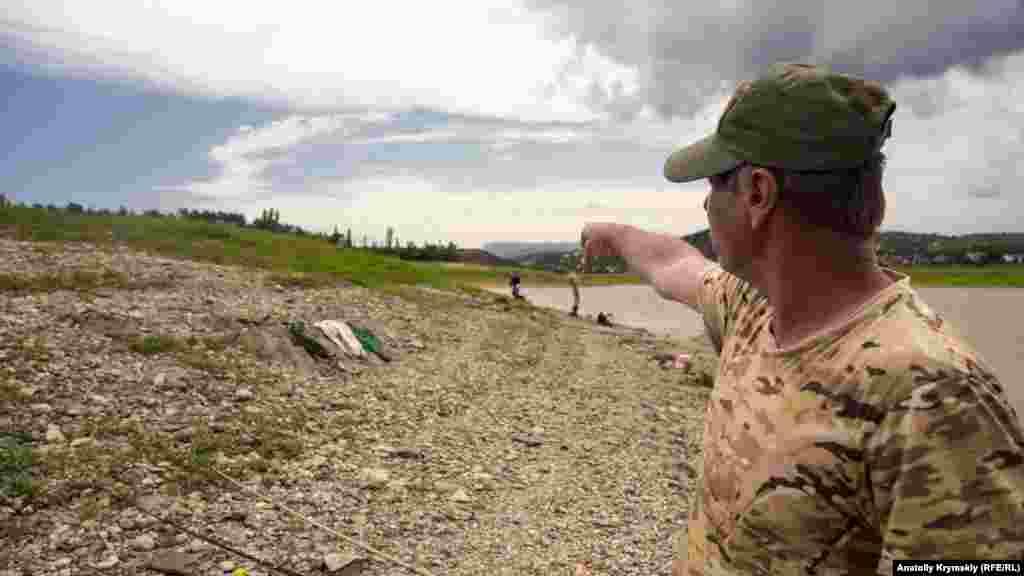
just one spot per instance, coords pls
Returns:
(685, 52)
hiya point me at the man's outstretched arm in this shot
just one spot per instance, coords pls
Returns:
(669, 264)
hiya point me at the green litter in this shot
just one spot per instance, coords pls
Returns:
(298, 332)
(367, 339)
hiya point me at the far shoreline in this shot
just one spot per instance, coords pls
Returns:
(952, 276)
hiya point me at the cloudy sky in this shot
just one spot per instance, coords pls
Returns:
(481, 121)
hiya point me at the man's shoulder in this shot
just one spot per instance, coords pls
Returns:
(903, 346)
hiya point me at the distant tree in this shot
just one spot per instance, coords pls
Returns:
(431, 252)
(409, 252)
(270, 219)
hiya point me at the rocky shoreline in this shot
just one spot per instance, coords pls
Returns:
(499, 438)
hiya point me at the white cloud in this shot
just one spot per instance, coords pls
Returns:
(474, 56)
(537, 181)
(556, 117)
(957, 141)
(952, 168)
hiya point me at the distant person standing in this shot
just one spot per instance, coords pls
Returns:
(515, 282)
(575, 287)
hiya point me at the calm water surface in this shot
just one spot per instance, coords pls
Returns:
(989, 318)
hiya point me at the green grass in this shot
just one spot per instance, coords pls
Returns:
(15, 463)
(154, 344)
(309, 262)
(1005, 275)
(295, 261)
(80, 280)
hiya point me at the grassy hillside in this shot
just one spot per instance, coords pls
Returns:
(309, 259)
(1002, 275)
(298, 259)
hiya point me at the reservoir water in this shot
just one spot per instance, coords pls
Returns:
(990, 319)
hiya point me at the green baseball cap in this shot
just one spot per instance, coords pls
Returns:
(796, 116)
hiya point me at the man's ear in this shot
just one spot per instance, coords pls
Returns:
(762, 196)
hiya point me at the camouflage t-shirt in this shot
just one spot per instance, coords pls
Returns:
(885, 437)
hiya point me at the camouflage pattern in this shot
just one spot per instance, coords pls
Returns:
(881, 438)
(785, 117)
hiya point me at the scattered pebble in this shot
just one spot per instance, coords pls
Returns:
(54, 434)
(144, 542)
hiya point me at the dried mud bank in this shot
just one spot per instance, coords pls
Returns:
(499, 439)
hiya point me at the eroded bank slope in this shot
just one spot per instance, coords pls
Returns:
(500, 439)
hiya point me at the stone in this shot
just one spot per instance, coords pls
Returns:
(107, 563)
(83, 441)
(334, 561)
(527, 439)
(174, 563)
(101, 400)
(376, 477)
(445, 486)
(404, 452)
(54, 435)
(127, 521)
(236, 516)
(145, 542)
(196, 545)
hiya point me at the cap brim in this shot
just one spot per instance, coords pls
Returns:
(699, 160)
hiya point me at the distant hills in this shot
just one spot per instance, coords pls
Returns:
(896, 247)
(517, 250)
(482, 257)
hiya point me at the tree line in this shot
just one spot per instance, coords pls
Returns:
(270, 220)
(921, 248)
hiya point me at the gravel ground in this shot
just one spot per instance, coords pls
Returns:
(499, 438)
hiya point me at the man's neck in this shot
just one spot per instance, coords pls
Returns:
(813, 290)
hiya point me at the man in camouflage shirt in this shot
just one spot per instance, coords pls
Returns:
(849, 424)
